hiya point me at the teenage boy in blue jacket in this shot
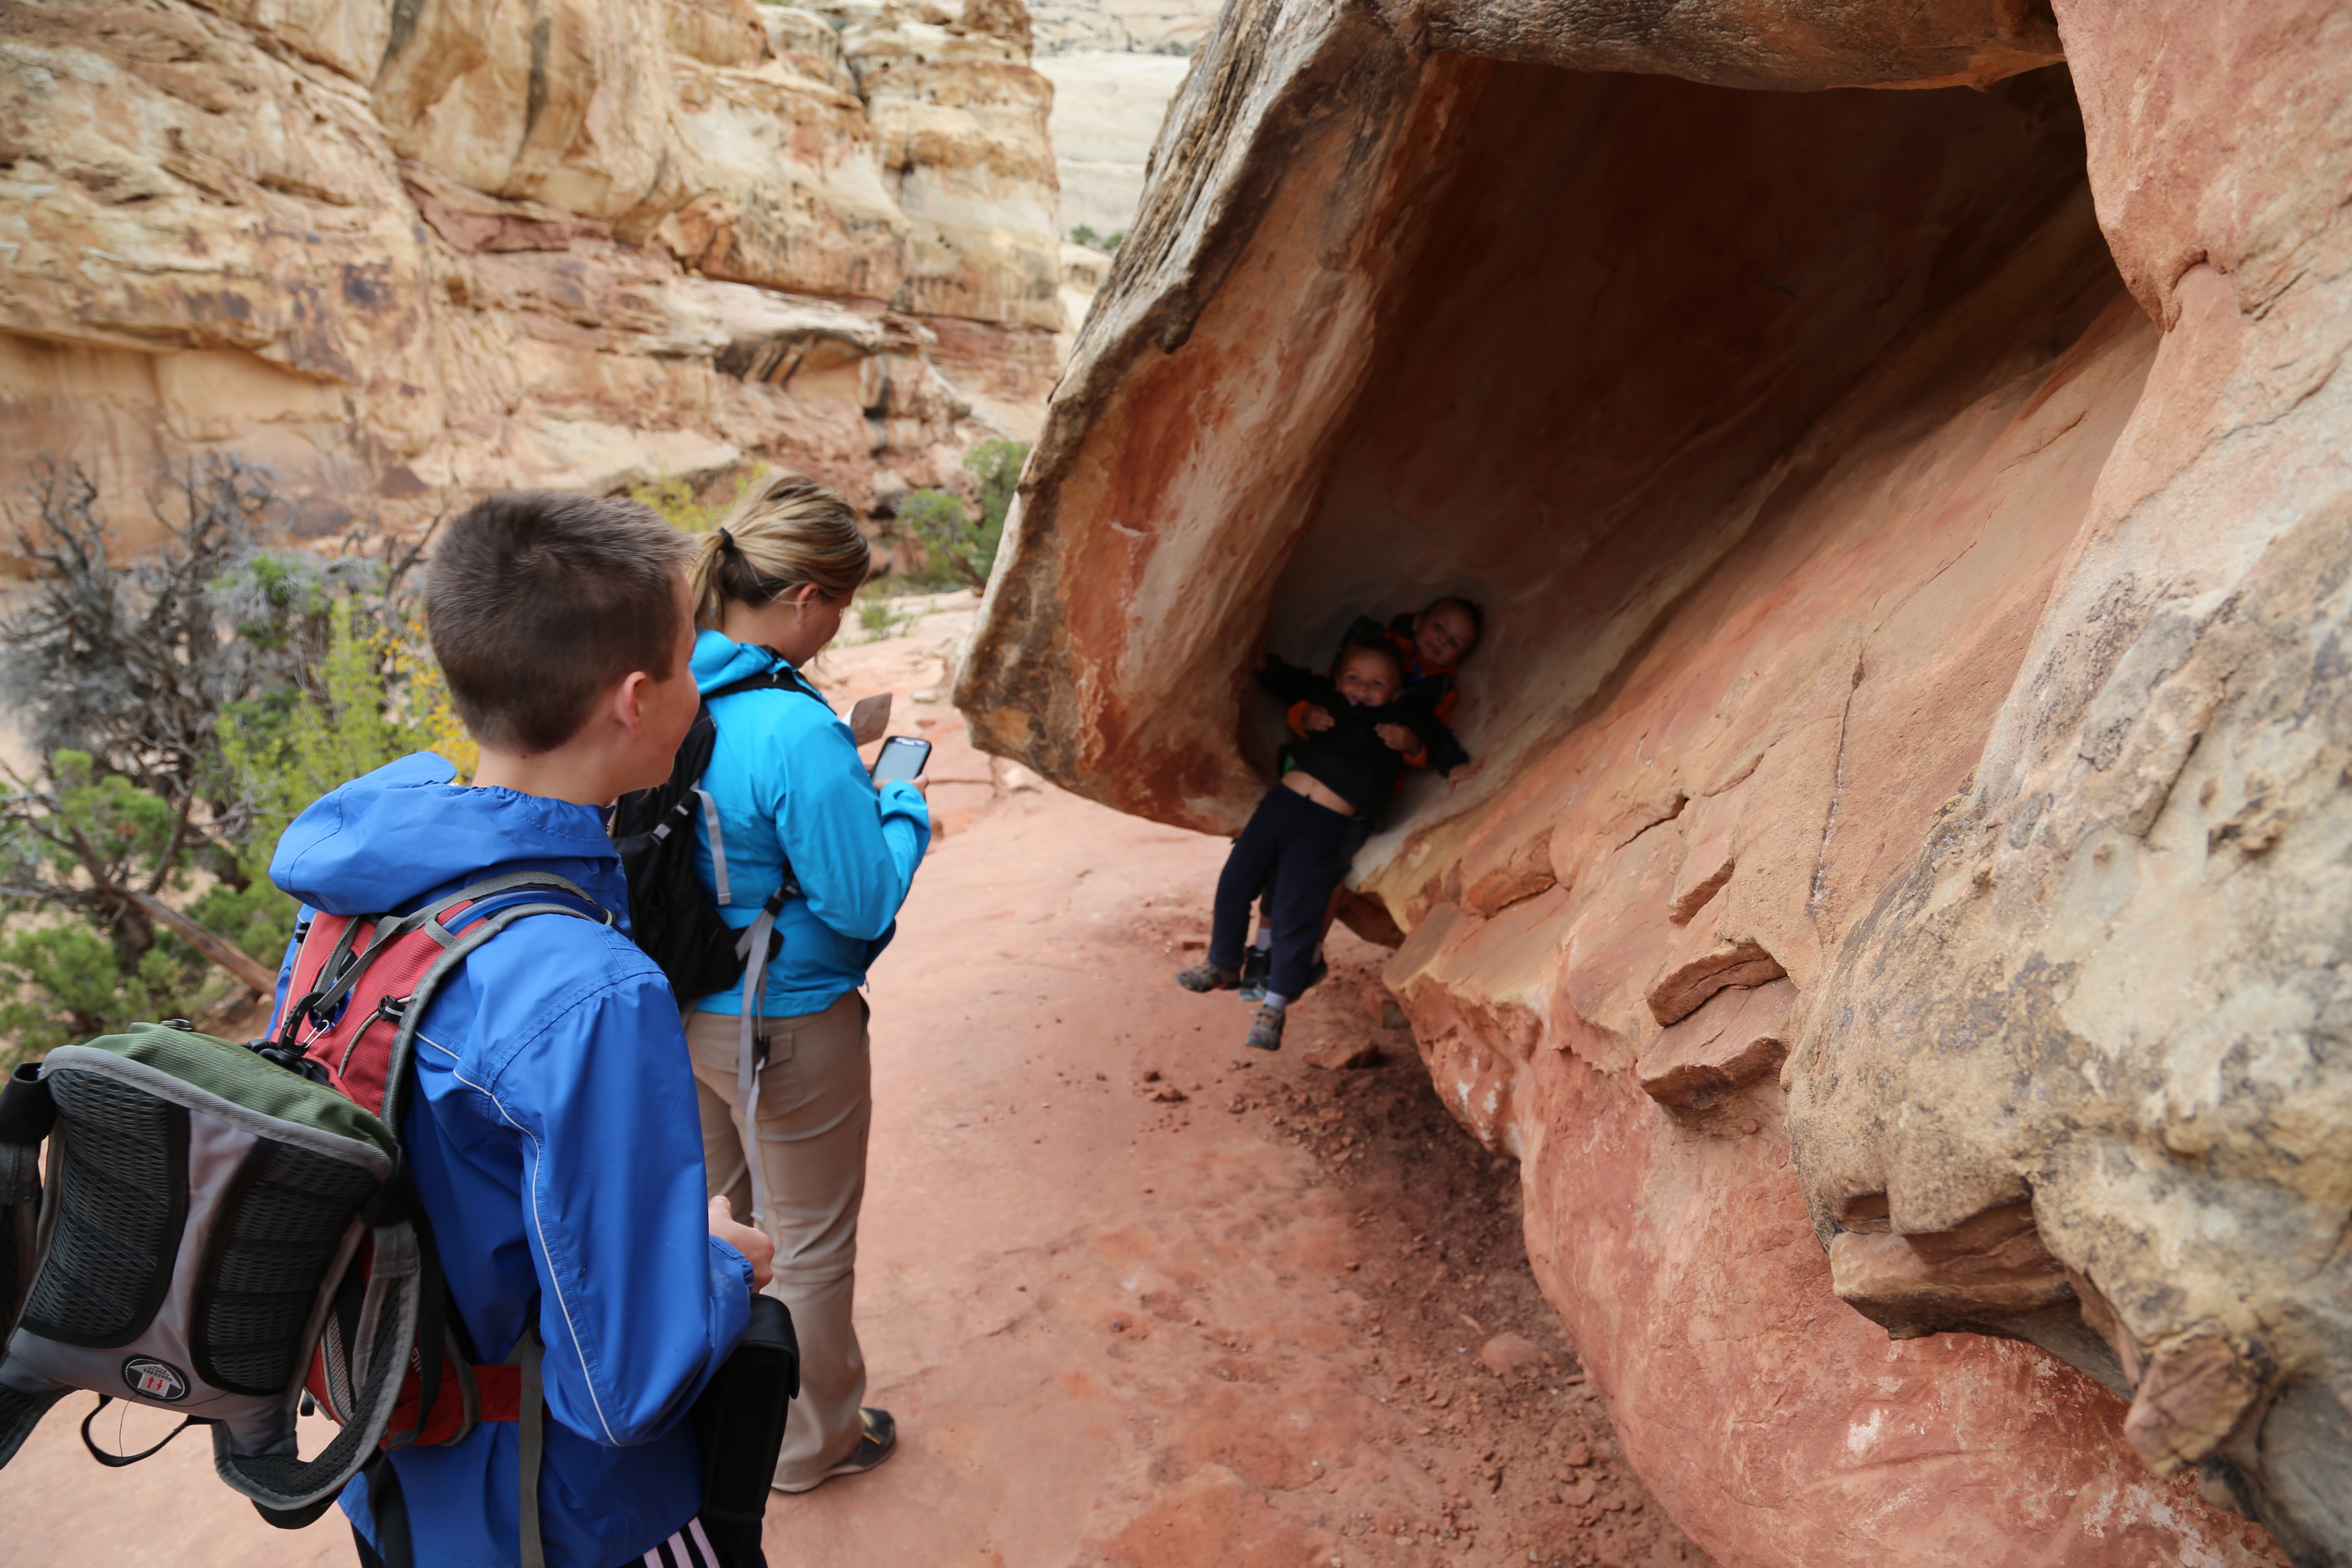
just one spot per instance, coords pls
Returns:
(554, 1142)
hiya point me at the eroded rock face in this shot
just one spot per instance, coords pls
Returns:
(2128, 934)
(1913, 556)
(404, 254)
(961, 118)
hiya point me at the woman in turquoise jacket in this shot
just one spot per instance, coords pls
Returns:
(789, 806)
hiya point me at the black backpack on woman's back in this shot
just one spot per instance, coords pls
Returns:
(672, 917)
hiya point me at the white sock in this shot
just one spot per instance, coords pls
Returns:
(1264, 941)
(1277, 1001)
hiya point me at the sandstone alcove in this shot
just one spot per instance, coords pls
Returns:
(1877, 498)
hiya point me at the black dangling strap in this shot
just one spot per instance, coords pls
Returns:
(116, 1461)
(432, 1324)
(530, 1421)
(390, 1510)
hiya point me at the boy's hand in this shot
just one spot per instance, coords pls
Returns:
(754, 1245)
(1316, 719)
(1466, 771)
(1396, 737)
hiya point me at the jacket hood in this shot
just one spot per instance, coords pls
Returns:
(388, 840)
(718, 658)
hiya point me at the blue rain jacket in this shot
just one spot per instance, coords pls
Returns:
(556, 1148)
(787, 780)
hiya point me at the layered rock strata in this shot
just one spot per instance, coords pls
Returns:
(1897, 925)
(404, 254)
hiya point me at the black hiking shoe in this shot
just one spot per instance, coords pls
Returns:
(1265, 1033)
(1208, 978)
(1255, 967)
(875, 1444)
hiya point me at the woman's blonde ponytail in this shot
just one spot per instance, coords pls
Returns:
(790, 530)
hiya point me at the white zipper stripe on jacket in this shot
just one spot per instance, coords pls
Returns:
(539, 1227)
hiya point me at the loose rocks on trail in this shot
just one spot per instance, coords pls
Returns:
(1491, 1401)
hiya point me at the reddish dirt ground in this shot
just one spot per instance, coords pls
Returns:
(1139, 1298)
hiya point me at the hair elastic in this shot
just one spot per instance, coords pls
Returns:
(725, 540)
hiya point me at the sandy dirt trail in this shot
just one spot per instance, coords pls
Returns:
(1139, 1298)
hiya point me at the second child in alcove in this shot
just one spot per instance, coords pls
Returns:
(1298, 839)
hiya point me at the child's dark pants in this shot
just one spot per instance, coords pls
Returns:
(1304, 848)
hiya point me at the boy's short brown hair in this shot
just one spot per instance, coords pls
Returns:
(538, 601)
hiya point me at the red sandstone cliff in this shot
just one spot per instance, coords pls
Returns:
(1898, 928)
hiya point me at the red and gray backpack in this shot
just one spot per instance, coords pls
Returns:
(229, 1231)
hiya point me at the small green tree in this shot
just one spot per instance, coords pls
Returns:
(186, 703)
(959, 546)
(292, 745)
(78, 848)
(1084, 235)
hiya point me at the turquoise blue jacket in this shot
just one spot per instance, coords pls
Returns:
(787, 780)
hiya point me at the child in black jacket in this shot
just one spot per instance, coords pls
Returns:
(1298, 835)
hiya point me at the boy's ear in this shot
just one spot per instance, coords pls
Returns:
(626, 705)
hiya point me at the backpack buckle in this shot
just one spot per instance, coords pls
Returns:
(294, 1016)
(277, 1053)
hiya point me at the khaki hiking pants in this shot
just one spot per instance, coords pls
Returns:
(815, 1105)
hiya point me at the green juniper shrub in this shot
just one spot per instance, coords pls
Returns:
(958, 547)
(184, 704)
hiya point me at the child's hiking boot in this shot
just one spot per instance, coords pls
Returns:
(1259, 965)
(1209, 977)
(1256, 965)
(1265, 1033)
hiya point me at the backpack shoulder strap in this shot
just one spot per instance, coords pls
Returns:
(458, 946)
(334, 978)
(783, 677)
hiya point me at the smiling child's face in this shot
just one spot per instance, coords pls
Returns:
(1443, 633)
(1368, 679)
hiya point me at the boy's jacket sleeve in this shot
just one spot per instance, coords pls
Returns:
(1292, 684)
(639, 1304)
(854, 849)
(1439, 751)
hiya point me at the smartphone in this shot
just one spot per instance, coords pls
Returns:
(902, 757)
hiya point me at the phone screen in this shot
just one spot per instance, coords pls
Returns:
(902, 757)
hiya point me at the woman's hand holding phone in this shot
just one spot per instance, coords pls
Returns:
(902, 760)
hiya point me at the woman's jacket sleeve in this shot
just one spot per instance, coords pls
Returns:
(855, 851)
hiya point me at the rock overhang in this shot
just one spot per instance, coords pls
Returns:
(1812, 561)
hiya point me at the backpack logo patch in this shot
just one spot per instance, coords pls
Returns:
(153, 1379)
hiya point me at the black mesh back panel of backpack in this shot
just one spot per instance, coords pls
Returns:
(281, 1221)
(123, 1201)
(283, 1480)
